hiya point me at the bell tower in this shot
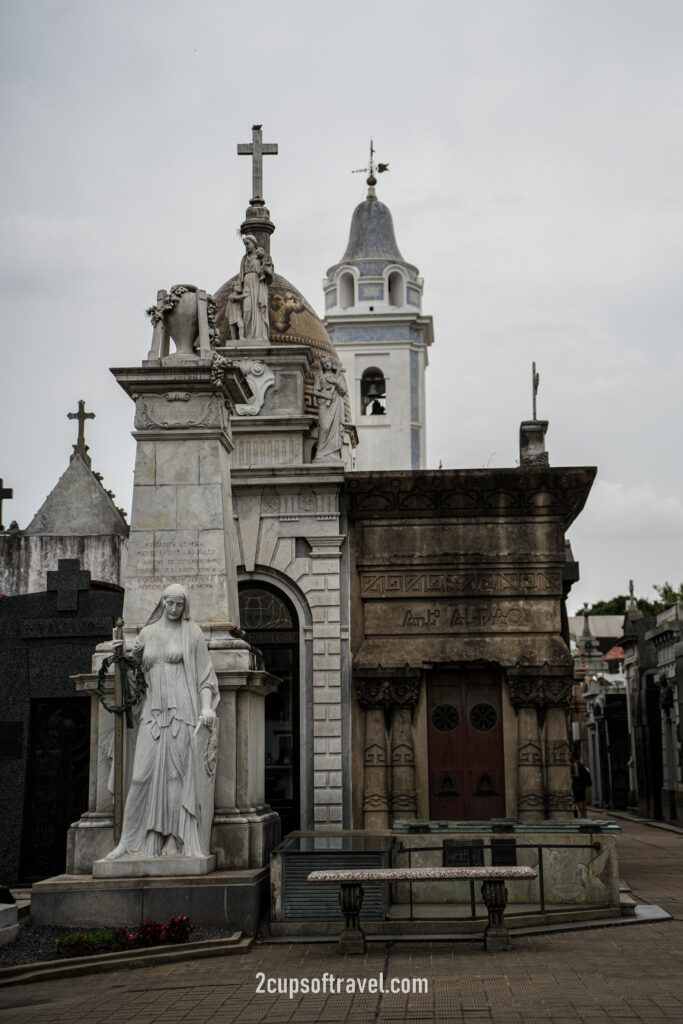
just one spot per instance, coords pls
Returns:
(373, 314)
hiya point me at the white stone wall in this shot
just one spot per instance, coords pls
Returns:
(385, 442)
(273, 508)
(26, 559)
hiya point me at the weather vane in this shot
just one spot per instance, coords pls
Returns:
(372, 167)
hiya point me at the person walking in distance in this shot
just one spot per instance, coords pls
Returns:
(581, 781)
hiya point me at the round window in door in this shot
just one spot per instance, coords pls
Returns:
(445, 717)
(483, 717)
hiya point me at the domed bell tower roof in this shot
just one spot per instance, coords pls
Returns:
(372, 231)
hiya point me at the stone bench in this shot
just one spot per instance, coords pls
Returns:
(493, 891)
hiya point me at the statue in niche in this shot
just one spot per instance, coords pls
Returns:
(329, 389)
(167, 810)
(250, 292)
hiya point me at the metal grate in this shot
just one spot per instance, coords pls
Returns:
(302, 901)
(463, 853)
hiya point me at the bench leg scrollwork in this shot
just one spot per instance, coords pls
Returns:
(352, 939)
(496, 935)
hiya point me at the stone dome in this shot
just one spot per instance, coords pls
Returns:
(293, 321)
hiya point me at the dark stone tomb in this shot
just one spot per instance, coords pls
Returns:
(45, 639)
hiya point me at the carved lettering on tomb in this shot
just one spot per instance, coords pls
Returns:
(378, 584)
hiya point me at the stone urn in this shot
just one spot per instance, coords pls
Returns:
(182, 323)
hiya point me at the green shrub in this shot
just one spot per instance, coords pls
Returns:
(148, 933)
(85, 944)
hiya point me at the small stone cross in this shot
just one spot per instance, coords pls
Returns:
(5, 492)
(257, 149)
(81, 448)
(67, 581)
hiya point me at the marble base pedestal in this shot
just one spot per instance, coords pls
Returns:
(153, 867)
(221, 899)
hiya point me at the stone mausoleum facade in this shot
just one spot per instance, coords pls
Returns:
(413, 617)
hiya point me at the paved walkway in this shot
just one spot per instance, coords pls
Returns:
(616, 974)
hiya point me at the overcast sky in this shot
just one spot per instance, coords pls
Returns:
(536, 153)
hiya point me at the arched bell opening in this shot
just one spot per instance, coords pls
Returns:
(373, 393)
(346, 291)
(396, 289)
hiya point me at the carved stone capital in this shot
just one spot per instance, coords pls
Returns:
(540, 691)
(372, 693)
(404, 692)
(390, 688)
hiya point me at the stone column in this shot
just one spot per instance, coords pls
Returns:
(559, 801)
(524, 695)
(403, 696)
(372, 695)
(530, 783)
(182, 532)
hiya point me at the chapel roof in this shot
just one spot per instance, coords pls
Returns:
(78, 505)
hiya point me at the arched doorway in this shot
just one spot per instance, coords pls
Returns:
(272, 625)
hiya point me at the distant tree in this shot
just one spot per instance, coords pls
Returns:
(666, 596)
(614, 606)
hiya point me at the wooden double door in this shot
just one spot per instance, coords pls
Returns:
(465, 737)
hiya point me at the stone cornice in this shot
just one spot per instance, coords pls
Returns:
(535, 492)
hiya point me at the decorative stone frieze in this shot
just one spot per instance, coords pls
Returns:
(539, 691)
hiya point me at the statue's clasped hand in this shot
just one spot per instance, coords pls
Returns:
(207, 718)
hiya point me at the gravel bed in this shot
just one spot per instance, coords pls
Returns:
(35, 944)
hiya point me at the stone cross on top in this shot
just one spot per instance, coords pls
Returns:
(257, 149)
(81, 448)
(67, 581)
(5, 492)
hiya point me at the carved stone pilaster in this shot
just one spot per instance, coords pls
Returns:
(403, 797)
(375, 785)
(559, 800)
(396, 691)
(530, 788)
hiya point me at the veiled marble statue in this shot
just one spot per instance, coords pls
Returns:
(330, 390)
(251, 291)
(166, 810)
